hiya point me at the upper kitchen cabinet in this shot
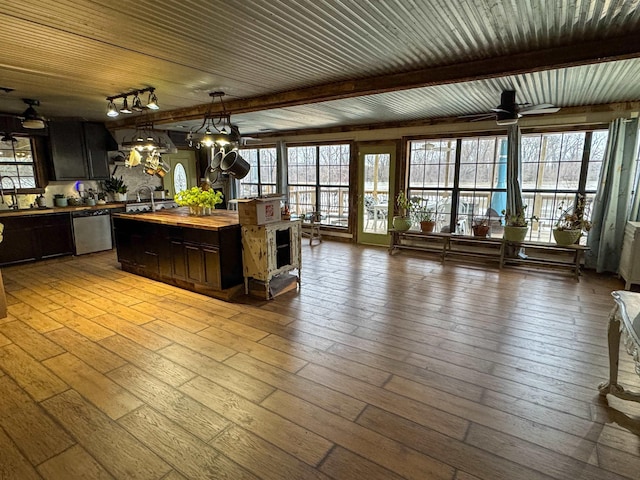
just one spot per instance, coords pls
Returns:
(79, 150)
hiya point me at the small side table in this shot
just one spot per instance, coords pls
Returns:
(624, 322)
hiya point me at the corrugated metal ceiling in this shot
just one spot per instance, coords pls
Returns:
(71, 54)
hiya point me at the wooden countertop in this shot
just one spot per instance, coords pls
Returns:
(49, 210)
(179, 217)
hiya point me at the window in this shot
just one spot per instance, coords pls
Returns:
(555, 168)
(319, 182)
(16, 161)
(261, 179)
(468, 176)
(179, 178)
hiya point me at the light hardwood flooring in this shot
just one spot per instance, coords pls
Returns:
(379, 368)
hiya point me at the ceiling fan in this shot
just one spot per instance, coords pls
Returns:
(508, 112)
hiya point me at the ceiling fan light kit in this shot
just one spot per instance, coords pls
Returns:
(31, 119)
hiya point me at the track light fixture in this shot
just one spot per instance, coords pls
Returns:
(136, 103)
(215, 129)
(31, 119)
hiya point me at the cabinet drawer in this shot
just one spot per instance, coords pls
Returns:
(201, 237)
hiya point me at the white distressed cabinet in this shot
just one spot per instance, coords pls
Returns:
(270, 250)
(629, 268)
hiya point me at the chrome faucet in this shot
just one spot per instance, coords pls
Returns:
(14, 205)
(153, 205)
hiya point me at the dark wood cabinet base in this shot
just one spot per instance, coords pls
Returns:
(203, 261)
(225, 294)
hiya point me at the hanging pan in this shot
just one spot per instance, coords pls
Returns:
(235, 165)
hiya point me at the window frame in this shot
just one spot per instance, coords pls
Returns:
(35, 163)
(326, 217)
(260, 185)
(458, 192)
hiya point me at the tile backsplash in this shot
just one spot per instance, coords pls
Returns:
(134, 178)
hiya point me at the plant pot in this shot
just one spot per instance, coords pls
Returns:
(515, 234)
(400, 223)
(427, 226)
(566, 237)
(480, 230)
(61, 202)
(120, 197)
(91, 202)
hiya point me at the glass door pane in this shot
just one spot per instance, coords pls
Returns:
(375, 206)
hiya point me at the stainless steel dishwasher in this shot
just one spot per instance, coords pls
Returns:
(92, 231)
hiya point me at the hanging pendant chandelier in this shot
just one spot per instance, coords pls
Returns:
(216, 129)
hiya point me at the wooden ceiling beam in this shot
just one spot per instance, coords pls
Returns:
(596, 51)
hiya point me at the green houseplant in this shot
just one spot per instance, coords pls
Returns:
(516, 224)
(200, 201)
(571, 222)
(406, 205)
(117, 187)
(421, 213)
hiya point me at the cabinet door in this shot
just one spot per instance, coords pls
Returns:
(212, 267)
(67, 150)
(124, 246)
(96, 138)
(178, 263)
(19, 241)
(195, 263)
(54, 235)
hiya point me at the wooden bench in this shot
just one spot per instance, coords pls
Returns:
(547, 255)
(505, 253)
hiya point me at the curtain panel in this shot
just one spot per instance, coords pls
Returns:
(613, 204)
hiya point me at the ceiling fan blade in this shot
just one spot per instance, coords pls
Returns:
(500, 110)
(488, 116)
(478, 115)
(539, 109)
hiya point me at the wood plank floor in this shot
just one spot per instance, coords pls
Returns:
(379, 368)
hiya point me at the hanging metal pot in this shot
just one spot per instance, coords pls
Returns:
(233, 164)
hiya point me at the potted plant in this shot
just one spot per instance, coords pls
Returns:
(91, 198)
(423, 214)
(60, 200)
(117, 187)
(402, 222)
(102, 198)
(480, 226)
(571, 223)
(516, 225)
(199, 201)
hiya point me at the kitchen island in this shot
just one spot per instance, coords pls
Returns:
(201, 254)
